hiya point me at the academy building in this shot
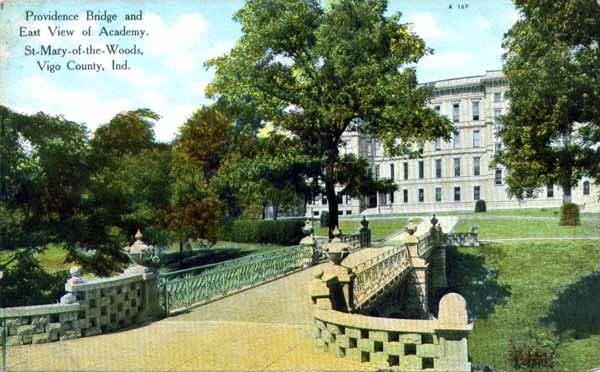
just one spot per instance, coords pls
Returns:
(451, 175)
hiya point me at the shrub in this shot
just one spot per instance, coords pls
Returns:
(283, 232)
(480, 206)
(569, 214)
(538, 355)
(324, 219)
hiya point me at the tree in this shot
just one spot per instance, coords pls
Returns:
(316, 73)
(43, 171)
(553, 68)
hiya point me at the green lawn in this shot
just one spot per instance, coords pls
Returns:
(52, 258)
(499, 229)
(528, 290)
(379, 228)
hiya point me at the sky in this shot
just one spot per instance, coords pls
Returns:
(170, 76)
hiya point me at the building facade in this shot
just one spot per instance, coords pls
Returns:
(451, 175)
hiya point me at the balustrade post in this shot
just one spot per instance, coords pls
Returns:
(419, 266)
(365, 233)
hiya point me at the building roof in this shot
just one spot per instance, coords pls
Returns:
(490, 75)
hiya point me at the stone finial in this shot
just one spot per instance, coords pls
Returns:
(69, 298)
(138, 246)
(75, 273)
(453, 312)
(307, 228)
(473, 229)
(364, 223)
(411, 228)
(434, 220)
(336, 232)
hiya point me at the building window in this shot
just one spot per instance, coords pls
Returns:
(476, 166)
(456, 167)
(457, 194)
(497, 97)
(405, 170)
(348, 199)
(438, 194)
(438, 168)
(549, 190)
(586, 188)
(324, 200)
(348, 212)
(421, 169)
(476, 193)
(456, 140)
(392, 171)
(421, 195)
(476, 140)
(377, 172)
(405, 195)
(455, 110)
(498, 177)
(438, 144)
(437, 109)
(498, 147)
(315, 213)
(392, 197)
(475, 110)
(497, 113)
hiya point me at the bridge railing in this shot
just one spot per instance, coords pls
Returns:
(185, 288)
(372, 275)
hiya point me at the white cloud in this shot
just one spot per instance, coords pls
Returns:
(483, 24)
(183, 44)
(425, 25)
(447, 60)
(513, 16)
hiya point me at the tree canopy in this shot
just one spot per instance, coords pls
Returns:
(553, 68)
(315, 73)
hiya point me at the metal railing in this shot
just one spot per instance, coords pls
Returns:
(373, 275)
(185, 288)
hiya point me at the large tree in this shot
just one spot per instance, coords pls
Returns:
(552, 64)
(315, 72)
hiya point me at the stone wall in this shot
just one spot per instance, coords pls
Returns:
(399, 344)
(88, 308)
(467, 239)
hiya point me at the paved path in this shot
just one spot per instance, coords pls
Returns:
(265, 328)
(533, 239)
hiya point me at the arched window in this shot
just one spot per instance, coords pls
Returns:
(586, 188)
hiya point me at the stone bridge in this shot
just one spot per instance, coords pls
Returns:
(360, 302)
(266, 326)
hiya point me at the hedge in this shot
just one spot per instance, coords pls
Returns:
(282, 232)
(569, 214)
(480, 206)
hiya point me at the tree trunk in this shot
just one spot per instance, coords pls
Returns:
(330, 193)
(566, 194)
(275, 210)
(180, 253)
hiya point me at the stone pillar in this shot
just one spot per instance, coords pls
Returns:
(438, 268)
(452, 331)
(365, 233)
(419, 278)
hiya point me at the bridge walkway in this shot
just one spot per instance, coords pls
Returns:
(265, 328)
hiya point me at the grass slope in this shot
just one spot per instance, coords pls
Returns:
(528, 290)
(503, 229)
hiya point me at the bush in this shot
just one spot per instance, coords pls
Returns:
(569, 214)
(283, 232)
(536, 356)
(480, 206)
(324, 219)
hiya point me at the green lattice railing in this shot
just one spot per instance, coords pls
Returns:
(185, 288)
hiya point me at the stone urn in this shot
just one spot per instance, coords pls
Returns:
(141, 255)
(336, 250)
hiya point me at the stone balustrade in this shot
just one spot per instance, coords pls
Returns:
(89, 308)
(427, 343)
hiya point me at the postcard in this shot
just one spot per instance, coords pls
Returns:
(300, 185)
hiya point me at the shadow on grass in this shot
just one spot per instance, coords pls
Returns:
(468, 276)
(575, 311)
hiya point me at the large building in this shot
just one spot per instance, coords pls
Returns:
(451, 175)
